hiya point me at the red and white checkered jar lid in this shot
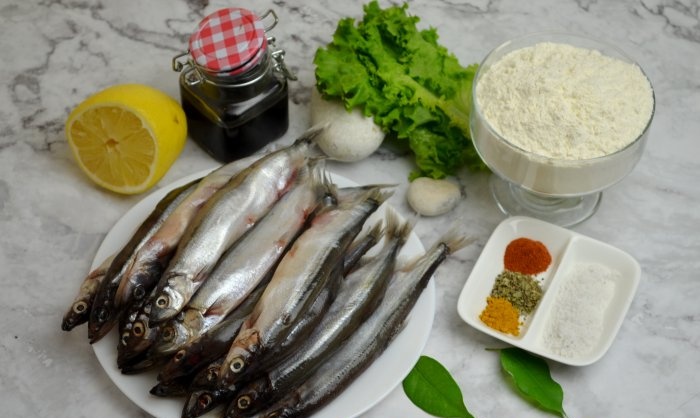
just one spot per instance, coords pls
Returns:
(229, 41)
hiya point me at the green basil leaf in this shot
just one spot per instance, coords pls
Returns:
(431, 388)
(532, 379)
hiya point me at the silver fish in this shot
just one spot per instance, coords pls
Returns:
(361, 245)
(368, 341)
(79, 311)
(250, 261)
(211, 345)
(104, 313)
(359, 295)
(145, 268)
(299, 277)
(224, 218)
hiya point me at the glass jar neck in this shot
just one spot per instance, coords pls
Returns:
(252, 75)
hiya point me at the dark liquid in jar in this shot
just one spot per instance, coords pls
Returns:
(236, 128)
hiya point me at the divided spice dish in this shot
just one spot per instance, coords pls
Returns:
(586, 292)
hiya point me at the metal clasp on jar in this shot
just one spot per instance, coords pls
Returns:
(276, 53)
(188, 68)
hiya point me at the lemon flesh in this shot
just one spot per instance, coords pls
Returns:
(126, 137)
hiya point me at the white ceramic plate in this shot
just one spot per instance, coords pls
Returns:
(567, 248)
(366, 391)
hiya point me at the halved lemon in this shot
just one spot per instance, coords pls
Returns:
(126, 137)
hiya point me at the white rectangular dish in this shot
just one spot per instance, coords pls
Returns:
(569, 329)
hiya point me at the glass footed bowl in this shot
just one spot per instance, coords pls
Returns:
(560, 191)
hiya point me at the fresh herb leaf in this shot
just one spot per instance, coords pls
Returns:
(413, 87)
(431, 388)
(532, 379)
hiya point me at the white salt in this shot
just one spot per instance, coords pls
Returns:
(577, 318)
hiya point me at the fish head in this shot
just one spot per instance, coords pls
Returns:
(182, 363)
(102, 318)
(250, 399)
(136, 339)
(140, 363)
(173, 335)
(163, 389)
(169, 301)
(200, 402)
(238, 361)
(78, 313)
(207, 378)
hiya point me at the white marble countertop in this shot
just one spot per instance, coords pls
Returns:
(52, 219)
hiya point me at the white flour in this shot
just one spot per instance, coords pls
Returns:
(565, 102)
(577, 318)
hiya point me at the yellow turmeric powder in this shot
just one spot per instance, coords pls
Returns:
(501, 315)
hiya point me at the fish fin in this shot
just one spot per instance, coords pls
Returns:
(380, 196)
(322, 181)
(455, 241)
(377, 230)
(395, 227)
(308, 139)
(449, 243)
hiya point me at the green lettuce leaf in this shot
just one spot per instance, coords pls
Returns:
(414, 88)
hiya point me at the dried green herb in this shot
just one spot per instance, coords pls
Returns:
(431, 388)
(521, 290)
(532, 379)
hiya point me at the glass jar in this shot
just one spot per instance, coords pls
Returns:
(233, 84)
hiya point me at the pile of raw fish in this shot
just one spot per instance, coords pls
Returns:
(258, 289)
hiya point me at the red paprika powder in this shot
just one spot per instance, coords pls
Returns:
(527, 256)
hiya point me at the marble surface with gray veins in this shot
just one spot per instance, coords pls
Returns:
(52, 218)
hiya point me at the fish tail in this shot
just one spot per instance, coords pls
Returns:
(307, 142)
(321, 180)
(379, 195)
(377, 230)
(396, 228)
(454, 241)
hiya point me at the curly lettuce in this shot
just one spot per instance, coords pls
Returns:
(414, 88)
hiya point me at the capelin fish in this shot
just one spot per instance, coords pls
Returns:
(364, 345)
(190, 354)
(136, 334)
(359, 295)
(173, 388)
(151, 259)
(361, 245)
(299, 277)
(79, 311)
(210, 346)
(204, 393)
(302, 327)
(224, 218)
(250, 261)
(104, 313)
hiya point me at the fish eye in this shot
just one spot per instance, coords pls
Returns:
(243, 402)
(139, 292)
(139, 329)
(237, 365)
(204, 400)
(179, 355)
(162, 301)
(168, 333)
(79, 307)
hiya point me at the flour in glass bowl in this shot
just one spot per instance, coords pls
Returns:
(561, 119)
(565, 102)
